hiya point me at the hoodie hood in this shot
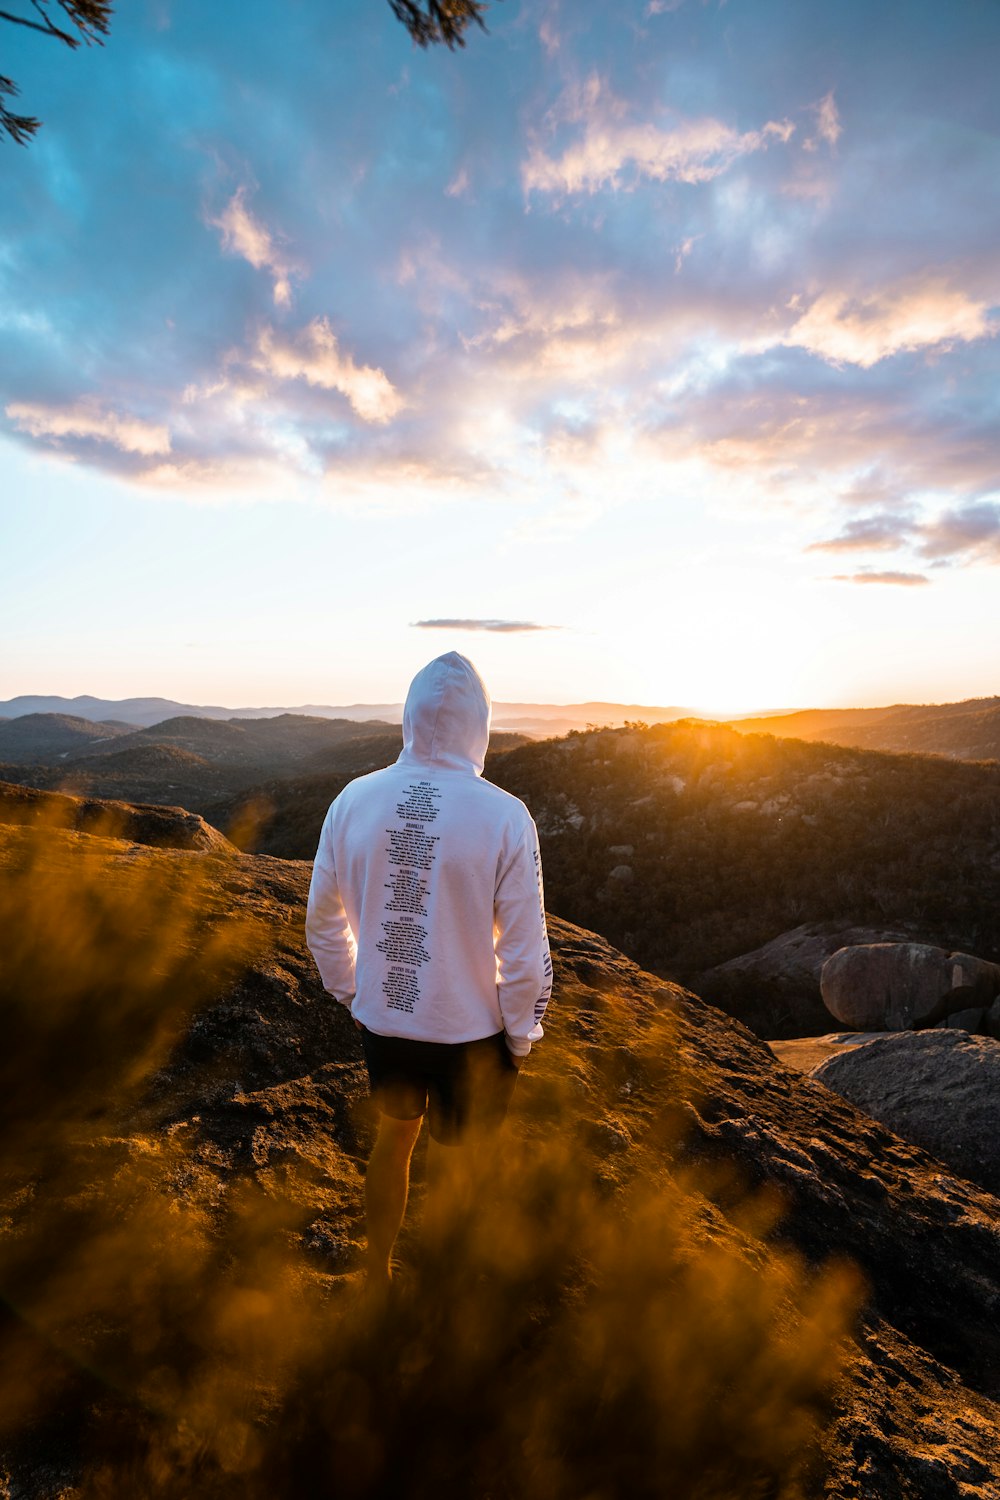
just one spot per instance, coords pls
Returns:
(446, 720)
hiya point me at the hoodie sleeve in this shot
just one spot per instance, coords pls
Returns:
(524, 966)
(328, 932)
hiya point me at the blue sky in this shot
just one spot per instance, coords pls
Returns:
(668, 328)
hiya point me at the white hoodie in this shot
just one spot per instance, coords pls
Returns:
(425, 911)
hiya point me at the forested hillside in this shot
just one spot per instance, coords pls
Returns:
(686, 844)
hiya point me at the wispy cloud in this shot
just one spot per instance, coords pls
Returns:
(246, 236)
(609, 147)
(901, 580)
(87, 419)
(920, 313)
(828, 126)
(315, 356)
(501, 627)
(869, 534)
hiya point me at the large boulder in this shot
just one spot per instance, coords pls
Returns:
(900, 986)
(775, 989)
(938, 1089)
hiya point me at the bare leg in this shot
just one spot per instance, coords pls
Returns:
(387, 1186)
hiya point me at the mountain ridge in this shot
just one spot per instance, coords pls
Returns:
(968, 729)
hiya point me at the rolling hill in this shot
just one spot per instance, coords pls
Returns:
(47, 737)
(963, 731)
(225, 769)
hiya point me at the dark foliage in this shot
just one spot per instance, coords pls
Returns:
(90, 20)
(20, 128)
(686, 845)
(439, 20)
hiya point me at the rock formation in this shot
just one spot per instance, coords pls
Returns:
(898, 986)
(136, 822)
(939, 1089)
(775, 990)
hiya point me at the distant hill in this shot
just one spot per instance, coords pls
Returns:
(196, 762)
(286, 740)
(964, 731)
(47, 736)
(128, 710)
(536, 719)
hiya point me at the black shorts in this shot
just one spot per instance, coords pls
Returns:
(462, 1087)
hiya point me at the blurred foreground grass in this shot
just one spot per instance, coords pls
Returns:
(550, 1338)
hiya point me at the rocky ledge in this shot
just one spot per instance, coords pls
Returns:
(134, 822)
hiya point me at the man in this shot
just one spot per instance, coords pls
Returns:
(426, 919)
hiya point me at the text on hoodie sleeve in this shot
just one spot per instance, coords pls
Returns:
(524, 965)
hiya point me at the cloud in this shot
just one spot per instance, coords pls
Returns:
(315, 356)
(972, 530)
(869, 534)
(919, 313)
(87, 420)
(502, 627)
(828, 126)
(246, 236)
(691, 150)
(903, 580)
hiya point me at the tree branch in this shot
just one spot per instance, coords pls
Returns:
(47, 30)
(20, 128)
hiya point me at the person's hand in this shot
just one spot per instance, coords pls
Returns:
(515, 1061)
(358, 1024)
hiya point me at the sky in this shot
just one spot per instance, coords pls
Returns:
(642, 352)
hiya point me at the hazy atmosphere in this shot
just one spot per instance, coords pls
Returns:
(642, 352)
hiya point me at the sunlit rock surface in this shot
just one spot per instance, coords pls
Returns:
(136, 822)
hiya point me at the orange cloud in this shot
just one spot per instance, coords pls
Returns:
(247, 237)
(903, 580)
(917, 314)
(87, 420)
(315, 356)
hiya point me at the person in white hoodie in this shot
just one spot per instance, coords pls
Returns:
(426, 919)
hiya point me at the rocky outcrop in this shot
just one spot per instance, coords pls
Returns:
(898, 986)
(135, 822)
(939, 1089)
(775, 990)
(265, 1095)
